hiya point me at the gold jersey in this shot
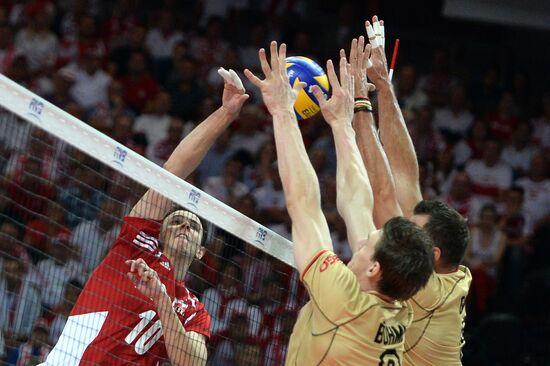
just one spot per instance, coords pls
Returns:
(435, 336)
(343, 325)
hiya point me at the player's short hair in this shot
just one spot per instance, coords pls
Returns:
(447, 229)
(204, 224)
(405, 254)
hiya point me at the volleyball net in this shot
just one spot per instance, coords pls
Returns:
(65, 192)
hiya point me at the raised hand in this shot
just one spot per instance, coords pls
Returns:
(339, 108)
(377, 70)
(359, 61)
(276, 91)
(145, 279)
(234, 94)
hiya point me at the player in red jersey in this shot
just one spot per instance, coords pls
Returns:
(135, 308)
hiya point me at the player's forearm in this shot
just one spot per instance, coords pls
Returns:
(399, 149)
(354, 196)
(182, 349)
(298, 177)
(191, 150)
(378, 169)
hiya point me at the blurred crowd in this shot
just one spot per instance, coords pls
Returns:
(145, 74)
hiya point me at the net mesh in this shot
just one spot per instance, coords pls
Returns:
(64, 236)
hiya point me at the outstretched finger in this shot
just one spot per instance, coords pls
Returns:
(361, 62)
(274, 57)
(282, 59)
(344, 73)
(353, 55)
(236, 80)
(297, 87)
(332, 78)
(263, 62)
(253, 78)
(383, 33)
(319, 95)
(370, 33)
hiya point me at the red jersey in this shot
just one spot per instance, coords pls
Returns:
(112, 323)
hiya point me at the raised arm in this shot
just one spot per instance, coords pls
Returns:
(353, 191)
(310, 232)
(191, 150)
(393, 130)
(370, 147)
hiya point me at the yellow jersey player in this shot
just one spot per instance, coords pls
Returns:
(357, 314)
(435, 336)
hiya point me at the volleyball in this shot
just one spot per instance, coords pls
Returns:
(299, 69)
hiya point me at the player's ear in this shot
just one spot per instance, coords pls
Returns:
(374, 271)
(437, 254)
(200, 252)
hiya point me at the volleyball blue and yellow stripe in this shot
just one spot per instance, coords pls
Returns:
(304, 69)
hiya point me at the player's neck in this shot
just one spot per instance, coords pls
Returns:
(181, 267)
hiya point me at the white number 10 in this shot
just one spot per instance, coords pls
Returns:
(150, 337)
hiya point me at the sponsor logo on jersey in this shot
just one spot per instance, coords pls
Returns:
(165, 264)
(331, 259)
(179, 306)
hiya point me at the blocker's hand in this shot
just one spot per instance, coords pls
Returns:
(339, 108)
(359, 60)
(377, 70)
(276, 91)
(145, 279)
(234, 94)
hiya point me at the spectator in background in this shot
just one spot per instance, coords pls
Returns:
(63, 81)
(541, 125)
(248, 354)
(211, 263)
(120, 56)
(216, 299)
(91, 83)
(270, 199)
(486, 95)
(19, 300)
(55, 271)
(117, 28)
(82, 196)
(410, 97)
(490, 176)
(249, 134)
(460, 197)
(437, 82)
(444, 170)
(160, 42)
(226, 343)
(484, 255)
(30, 193)
(339, 238)
(454, 120)
(537, 188)
(520, 151)
(7, 49)
(10, 243)
(185, 89)
(216, 158)
(122, 131)
(36, 349)
(163, 149)
(45, 228)
(427, 140)
(210, 47)
(472, 147)
(21, 74)
(93, 237)
(503, 121)
(229, 186)
(36, 42)
(139, 86)
(255, 266)
(57, 317)
(517, 226)
(155, 121)
(116, 105)
(88, 41)
(40, 146)
(277, 345)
